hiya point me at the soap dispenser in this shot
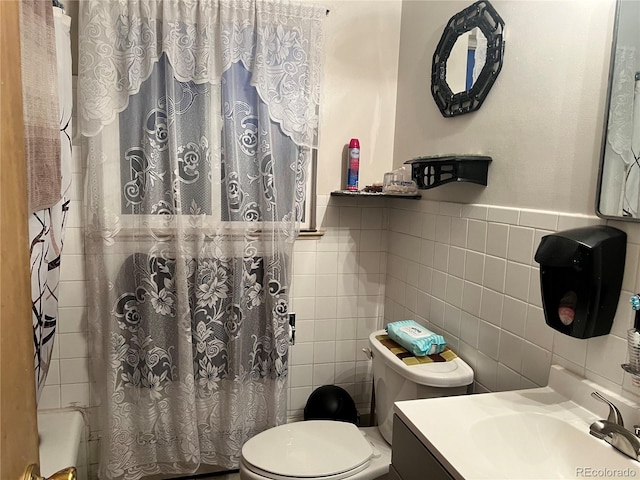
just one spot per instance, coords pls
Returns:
(580, 278)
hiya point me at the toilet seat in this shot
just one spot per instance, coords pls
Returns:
(275, 476)
(315, 449)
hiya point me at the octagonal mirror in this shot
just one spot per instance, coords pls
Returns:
(468, 59)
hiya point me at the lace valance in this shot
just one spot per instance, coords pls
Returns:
(280, 43)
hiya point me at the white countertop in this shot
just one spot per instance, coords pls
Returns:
(540, 433)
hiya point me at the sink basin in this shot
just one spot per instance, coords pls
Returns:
(540, 433)
(540, 446)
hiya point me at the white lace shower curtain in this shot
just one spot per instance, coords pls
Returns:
(200, 117)
(621, 175)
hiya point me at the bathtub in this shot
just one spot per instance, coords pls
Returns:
(62, 441)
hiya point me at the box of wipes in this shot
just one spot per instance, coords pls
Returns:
(415, 338)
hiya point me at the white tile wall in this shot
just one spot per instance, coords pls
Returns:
(479, 286)
(338, 292)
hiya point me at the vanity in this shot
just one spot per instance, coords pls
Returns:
(524, 434)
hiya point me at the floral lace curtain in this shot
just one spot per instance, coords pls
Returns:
(621, 175)
(199, 118)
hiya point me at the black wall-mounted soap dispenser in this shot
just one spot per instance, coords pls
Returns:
(580, 278)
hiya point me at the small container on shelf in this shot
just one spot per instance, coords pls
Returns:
(376, 187)
(399, 182)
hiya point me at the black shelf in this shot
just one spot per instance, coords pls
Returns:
(431, 172)
(349, 193)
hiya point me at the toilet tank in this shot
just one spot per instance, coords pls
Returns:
(394, 381)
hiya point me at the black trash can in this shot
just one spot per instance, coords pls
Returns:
(331, 402)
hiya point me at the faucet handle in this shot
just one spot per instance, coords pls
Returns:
(614, 414)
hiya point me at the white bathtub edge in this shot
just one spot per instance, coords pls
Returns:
(60, 433)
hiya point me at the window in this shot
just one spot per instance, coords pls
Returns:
(170, 149)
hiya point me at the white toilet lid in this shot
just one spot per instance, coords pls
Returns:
(312, 449)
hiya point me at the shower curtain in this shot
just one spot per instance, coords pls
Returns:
(47, 226)
(621, 177)
(200, 117)
(631, 202)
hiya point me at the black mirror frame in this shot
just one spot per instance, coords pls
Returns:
(482, 15)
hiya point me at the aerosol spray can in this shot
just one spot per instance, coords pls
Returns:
(354, 165)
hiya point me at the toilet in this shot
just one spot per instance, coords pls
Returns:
(333, 450)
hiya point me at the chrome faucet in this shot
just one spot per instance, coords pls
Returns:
(614, 414)
(613, 431)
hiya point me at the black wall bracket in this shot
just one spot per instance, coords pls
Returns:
(431, 172)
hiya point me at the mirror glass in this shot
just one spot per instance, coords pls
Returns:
(466, 60)
(619, 179)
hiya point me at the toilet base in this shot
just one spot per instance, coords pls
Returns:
(377, 469)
